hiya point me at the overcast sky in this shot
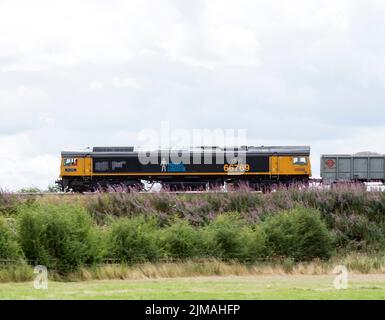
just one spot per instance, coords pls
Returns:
(96, 73)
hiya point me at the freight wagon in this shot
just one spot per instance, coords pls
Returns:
(359, 167)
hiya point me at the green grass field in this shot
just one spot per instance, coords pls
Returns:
(255, 287)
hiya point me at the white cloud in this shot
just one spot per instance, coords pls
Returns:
(11, 97)
(96, 85)
(21, 164)
(47, 118)
(65, 34)
(125, 83)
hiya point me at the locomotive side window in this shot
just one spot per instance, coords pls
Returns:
(70, 162)
(101, 166)
(299, 160)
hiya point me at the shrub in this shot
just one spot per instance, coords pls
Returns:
(256, 245)
(358, 232)
(9, 248)
(181, 241)
(298, 233)
(240, 201)
(134, 240)
(61, 237)
(200, 209)
(228, 238)
(30, 190)
(9, 203)
(115, 205)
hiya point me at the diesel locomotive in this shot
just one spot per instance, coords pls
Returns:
(99, 167)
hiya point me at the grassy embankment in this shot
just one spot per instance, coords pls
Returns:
(288, 231)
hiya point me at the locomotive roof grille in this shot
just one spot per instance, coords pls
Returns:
(119, 151)
(113, 149)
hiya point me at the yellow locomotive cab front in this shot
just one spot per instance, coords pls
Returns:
(74, 166)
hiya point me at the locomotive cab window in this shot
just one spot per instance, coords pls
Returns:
(70, 162)
(299, 160)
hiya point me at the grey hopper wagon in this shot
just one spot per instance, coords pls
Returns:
(363, 166)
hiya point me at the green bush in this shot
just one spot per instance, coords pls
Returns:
(61, 237)
(228, 238)
(298, 233)
(9, 248)
(256, 245)
(181, 241)
(134, 240)
(9, 203)
(357, 232)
